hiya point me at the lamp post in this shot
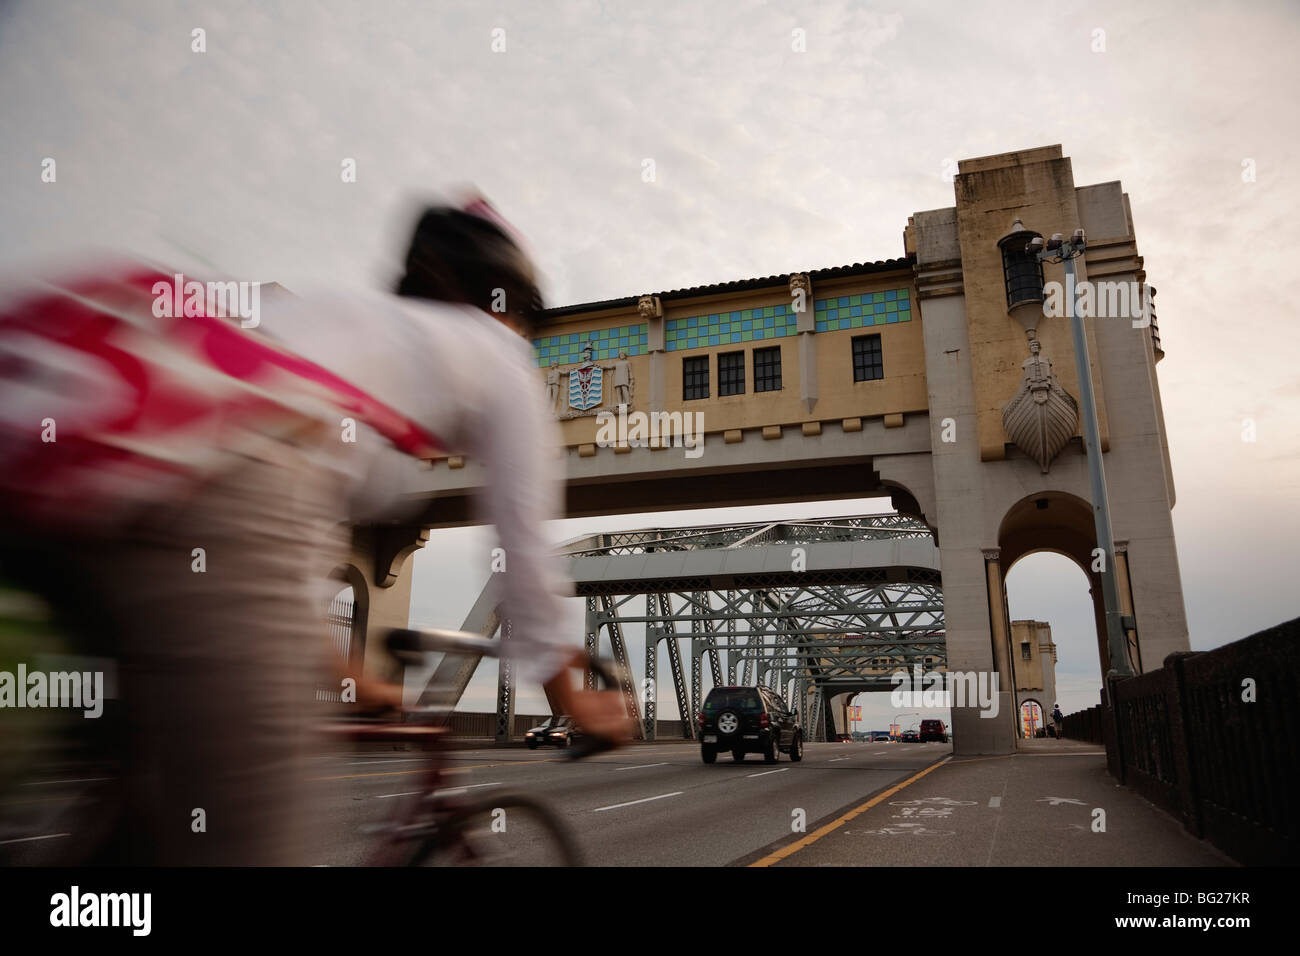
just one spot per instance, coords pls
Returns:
(899, 725)
(1059, 249)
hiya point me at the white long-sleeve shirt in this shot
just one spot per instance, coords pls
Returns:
(467, 379)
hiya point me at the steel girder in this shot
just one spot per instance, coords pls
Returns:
(821, 637)
(841, 626)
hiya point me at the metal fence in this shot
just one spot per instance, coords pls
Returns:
(1212, 738)
(1084, 725)
(339, 621)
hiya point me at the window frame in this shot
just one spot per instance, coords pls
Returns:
(868, 366)
(737, 368)
(761, 380)
(695, 374)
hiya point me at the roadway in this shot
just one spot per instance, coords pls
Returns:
(658, 804)
(655, 804)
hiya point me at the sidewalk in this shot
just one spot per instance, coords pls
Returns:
(1037, 807)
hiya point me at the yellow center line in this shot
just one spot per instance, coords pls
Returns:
(820, 832)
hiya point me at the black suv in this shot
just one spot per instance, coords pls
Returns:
(747, 720)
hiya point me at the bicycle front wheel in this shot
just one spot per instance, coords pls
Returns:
(507, 829)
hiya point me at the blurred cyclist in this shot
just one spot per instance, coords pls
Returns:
(247, 433)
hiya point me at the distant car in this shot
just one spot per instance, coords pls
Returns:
(880, 737)
(934, 730)
(745, 720)
(554, 731)
(843, 739)
(911, 737)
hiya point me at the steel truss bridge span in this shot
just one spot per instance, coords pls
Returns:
(814, 609)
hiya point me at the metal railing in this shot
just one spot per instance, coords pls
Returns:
(1084, 725)
(1212, 738)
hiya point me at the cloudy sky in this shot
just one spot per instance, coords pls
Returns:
(767, 159)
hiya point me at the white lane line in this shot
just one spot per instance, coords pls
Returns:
(675, 793)
(51, 783)
(883, 753)
(642, 767)
(48, 836)
(468, 786)
(833, 759)
(766, 772)
(440, 793)
(995, 803)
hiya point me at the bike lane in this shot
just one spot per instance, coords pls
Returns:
(1027, 809)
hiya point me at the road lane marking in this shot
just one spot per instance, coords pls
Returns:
(439, 793)
(643, 766)
(810, 839)
(398, 773)
(48, 836)
(676, 793)
(766, 772)
(371, 763)
(50, 783)
(833, 759)
(995, 803)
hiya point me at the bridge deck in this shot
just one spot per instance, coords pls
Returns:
(1037, 807)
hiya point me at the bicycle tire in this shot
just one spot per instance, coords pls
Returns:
(462, 840)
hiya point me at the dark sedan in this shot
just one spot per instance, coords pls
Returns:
(555, 731)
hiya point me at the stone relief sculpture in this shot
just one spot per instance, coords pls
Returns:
(580, 389)
(552, 384)
(622, 380)
(1041, 416)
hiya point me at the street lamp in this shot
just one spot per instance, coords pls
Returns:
(899, 725)
(1023, 252)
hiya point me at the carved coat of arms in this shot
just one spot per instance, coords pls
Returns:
(586, 386)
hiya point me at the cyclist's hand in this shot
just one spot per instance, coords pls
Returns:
(601, 714)
(378, 694)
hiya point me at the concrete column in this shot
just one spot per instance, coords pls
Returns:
(808, 369)
(1126, 603)
(999, 626)
(652, 310)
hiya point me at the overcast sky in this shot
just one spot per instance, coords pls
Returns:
(767, 160)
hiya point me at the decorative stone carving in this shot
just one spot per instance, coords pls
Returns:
(622, 380)
(552, 385)
(1041, 416)
(800, 293)
(648, 307)
(586, 383)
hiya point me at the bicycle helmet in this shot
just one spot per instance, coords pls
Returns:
(467, 255)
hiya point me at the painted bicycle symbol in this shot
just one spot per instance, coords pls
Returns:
(904, 829)
(931, 801)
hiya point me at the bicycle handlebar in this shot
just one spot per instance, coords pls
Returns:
(411, 640)
(428, 640)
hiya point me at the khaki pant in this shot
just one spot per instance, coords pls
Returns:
(219, 667)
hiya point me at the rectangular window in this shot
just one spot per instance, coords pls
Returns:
(695, 378)
(867, 363)
(731, 373)
(1026, 652)
(767, 369)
